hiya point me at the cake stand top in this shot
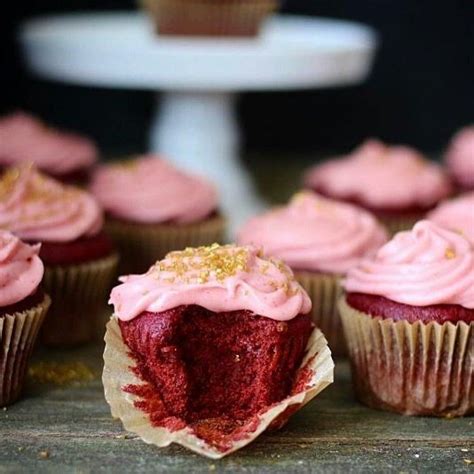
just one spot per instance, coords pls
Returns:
(120, 50)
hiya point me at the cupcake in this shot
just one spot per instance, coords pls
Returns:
(210, 347)
(456, 214)
(153, 208)
(23, 307)
(209, 17)
(396, 183)
(408, 316)
(320, 239)
(65, 156)
(460, 158)
(79, 259)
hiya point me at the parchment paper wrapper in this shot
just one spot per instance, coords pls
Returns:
(411, 368)
(398, 224)
(79, 297)
(118, 373)
(141, 245)
(18, 334)
(209, 17)
(324, 291)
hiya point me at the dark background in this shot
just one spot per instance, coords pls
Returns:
(420, 92)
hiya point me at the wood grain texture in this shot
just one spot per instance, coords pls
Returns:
(332, 434)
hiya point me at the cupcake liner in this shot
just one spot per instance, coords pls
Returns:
(141, 245)
(209, 17)
(411, 368)
(395, 224)
(18, 333)
(79, 294)
(324, 291)
(118, 372)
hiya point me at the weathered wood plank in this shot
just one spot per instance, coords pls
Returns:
(333, 434)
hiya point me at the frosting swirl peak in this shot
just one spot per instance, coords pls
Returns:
(38, 208)
(317, 234)
(156, 192)
(428, 265)
(381, 177)
(218, 278)
(21, 269)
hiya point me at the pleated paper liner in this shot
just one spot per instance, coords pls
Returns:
(324, 291)
(411, 368)
(317, 366)
(141, 245)
(209, 17)
(79, 296)
(18, 333)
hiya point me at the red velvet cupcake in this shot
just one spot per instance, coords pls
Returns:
(153, 208)
(408, 317)
(80, 261)
(23, 307)
(65, 156)
(210, 347)
(396, 183)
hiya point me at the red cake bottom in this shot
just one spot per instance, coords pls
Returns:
(78, 251)
(212, 371)
(29, 302)
(375, 305)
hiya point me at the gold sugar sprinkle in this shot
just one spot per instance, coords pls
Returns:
(449, 253)
(64, 373)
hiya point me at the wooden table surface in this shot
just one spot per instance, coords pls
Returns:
(69, 429)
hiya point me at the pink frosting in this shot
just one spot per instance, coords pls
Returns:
(21, 269)
(456, 214)
(428, 265)
(460, 157)
(38, 208)
(314, 233)
(25, 139)
(219, 278)
(382, 176)
(151, 190)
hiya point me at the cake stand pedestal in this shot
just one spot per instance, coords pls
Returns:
(194, 124)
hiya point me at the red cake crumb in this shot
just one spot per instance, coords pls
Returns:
(380, 211)
(214, 372)
(78, 251)
(375, 305)
(29, 302)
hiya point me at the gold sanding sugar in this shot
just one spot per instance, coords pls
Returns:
(61, 373)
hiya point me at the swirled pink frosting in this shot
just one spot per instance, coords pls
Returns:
(38, 208)
(428, 265)
(151, 190)
(456, 214)
(25, 139)
(460, 157)
(21, 269)
(315, 233)
(219, 278)
(382, 176)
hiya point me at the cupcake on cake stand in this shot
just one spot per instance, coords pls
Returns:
(195, 125)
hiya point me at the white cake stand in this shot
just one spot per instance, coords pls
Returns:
(194, 124)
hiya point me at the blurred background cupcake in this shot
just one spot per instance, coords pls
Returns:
(459, 158)
(396, 183)
(209, 17)
(63, 155)
(23, 306)
(408, 316)
(153, 208)
(320, 239)
(79, 259)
